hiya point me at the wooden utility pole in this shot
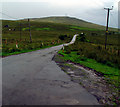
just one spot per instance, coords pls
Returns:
(20, 31)
(30, 31)
(108, 9)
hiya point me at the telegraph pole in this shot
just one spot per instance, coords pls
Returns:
(30, 31)
(108, 9)
(20, 31)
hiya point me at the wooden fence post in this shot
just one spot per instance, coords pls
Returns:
(16, 44)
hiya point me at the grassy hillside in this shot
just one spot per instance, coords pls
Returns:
(71, 21)
(44, 34)
(47, 33)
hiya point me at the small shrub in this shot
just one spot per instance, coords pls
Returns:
(75, 49)
(11, 50)
(99, 48)
(68, 52)
(78, 53)
(109, 64)
(83, 58)
(92, 55)
(62, 37)
(104, 61)
(82, 37)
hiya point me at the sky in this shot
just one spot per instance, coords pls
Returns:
(88, 10)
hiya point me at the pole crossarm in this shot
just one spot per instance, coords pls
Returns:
(109, 8)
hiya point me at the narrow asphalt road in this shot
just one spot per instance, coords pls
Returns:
(34, 79)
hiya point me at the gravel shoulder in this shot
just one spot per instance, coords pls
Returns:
(92, 81)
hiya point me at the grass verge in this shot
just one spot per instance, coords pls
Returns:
(111, 73)
(4, 54)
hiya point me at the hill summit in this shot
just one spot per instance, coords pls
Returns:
(69, 21)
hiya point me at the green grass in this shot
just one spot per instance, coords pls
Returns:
(83, 28)
(37, 29)
(43, 29)
(109, 72)
(27, 28)
(24, 51)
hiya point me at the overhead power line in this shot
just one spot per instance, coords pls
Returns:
(9, 16)
(20, 24)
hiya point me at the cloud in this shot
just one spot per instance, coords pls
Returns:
(89, 10)
(76, 3)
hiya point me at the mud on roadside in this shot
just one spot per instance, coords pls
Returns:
(92, 81)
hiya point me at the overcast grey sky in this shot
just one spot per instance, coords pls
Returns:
(88, 10)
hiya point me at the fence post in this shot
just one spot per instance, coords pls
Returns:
(16, 44)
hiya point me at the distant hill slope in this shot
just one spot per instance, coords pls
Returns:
(70, 21)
